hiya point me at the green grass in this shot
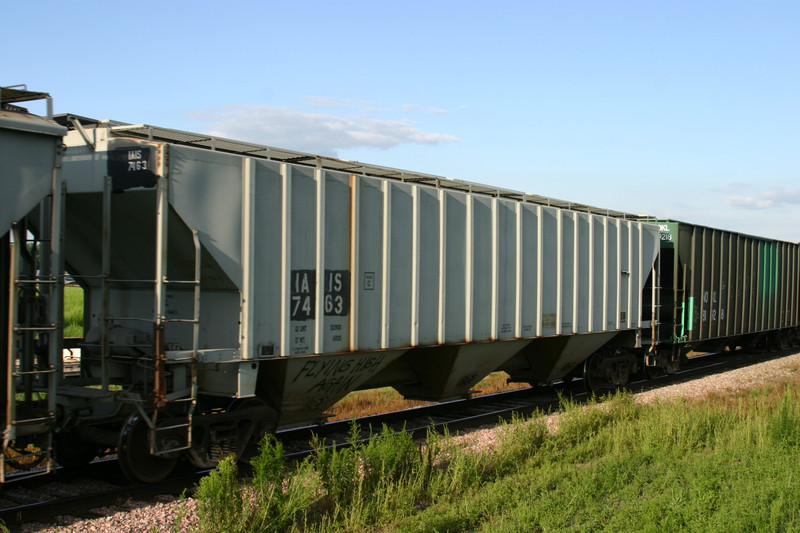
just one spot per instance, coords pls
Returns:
(73, 312)
(725, 464)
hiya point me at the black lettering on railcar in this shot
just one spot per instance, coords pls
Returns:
(303, 294)
(337, 292)
(336, 374)
(131, 165)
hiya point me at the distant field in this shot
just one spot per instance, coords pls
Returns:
(374, 401)
(73, 312)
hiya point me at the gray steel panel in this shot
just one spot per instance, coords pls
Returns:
(398, 266)
(428, 271)
(566, 319)
(206, 191)
(334, 271)
(611, 250)
(583, 274)
(480, 283)
(454, 266)
(598, 269)
(505, 254)
(300, 261)
(625, 250)
(529, 305)
(27, 163)
(268, 222)
(549, 259)
(368, 285)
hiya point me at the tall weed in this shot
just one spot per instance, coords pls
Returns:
(220, 500)
(275, 499)
(784, 426)
(521, 438)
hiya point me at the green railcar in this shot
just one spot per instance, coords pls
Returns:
(722, 290)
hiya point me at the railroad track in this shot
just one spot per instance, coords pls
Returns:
(68, 493)
(491, 408)
(77, 494)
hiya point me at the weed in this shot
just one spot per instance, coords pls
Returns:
(784, 427)
(612, 466)
(220, 501)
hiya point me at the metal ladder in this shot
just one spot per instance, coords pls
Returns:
(176, 434)
(31, 384)
(679, 312)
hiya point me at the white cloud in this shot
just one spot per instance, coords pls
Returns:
(312, 132)
(749, 202)
(329, 102)
(416, 108)
(766, 200)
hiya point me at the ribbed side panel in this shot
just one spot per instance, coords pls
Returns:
(344, 263)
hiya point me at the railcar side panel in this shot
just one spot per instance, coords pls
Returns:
(429, 238)
(738, 286)
(582, 274)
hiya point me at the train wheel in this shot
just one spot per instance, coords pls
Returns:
(592, 378)
(135, 459)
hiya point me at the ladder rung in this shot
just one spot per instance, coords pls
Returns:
(181, 400)
(33, 372)
(35, 328)
(25, 421)
(115, 345)
(183, 320)
(176, 426)
(170, 450)
(27, 281)
(182, 282)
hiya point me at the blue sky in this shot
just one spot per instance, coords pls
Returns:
(686, 110)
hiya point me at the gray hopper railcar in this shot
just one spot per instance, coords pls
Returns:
(232, 288)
